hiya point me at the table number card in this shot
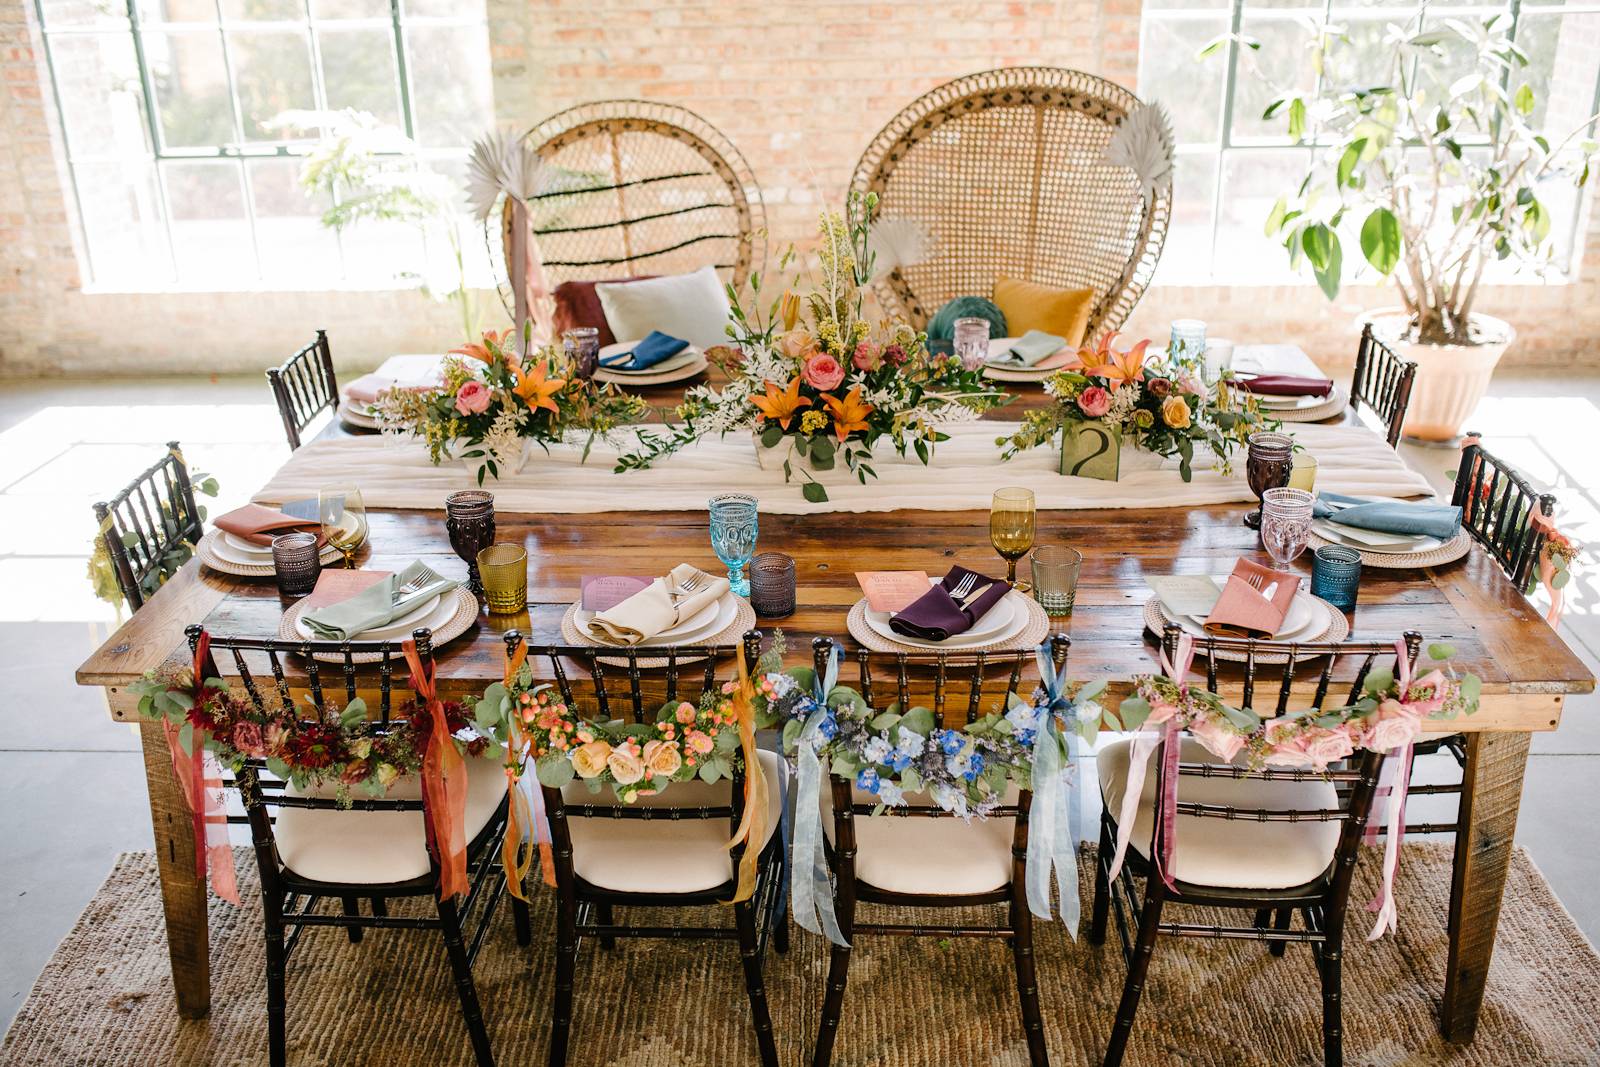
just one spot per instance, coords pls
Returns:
(1091, 450)
(601, 592)
(891, 591)
(335, 586)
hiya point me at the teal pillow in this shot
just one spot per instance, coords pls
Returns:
(942, 327)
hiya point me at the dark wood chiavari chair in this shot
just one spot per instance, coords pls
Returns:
(151, 527)
(1383, 383)
(1286, 842)
(665, 851)
(303, 386)
(915, 857)
(309, 847)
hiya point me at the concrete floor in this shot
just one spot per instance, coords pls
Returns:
(71, 781)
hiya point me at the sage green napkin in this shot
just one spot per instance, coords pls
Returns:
(1030, 348)
(376, 605)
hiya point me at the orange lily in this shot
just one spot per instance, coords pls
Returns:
(849, 414)
(1118, 368)
(783, 406)
(537, 390)
(492, 343)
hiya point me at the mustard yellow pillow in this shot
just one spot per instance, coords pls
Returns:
(1029, 306)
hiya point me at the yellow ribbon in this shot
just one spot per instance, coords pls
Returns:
(752, 830)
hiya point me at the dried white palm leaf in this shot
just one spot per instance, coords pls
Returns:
(1143, 143)
(893, 243)
(502, 162)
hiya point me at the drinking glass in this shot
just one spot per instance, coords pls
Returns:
(1285, 522)
(1267, 466)
(344, 520)
(295, 562)
(971, 342)
(734, 526)
(469, 519)
(582, 347)
(1219, 358)
(772, 585)
(1011, 529)
(1336, 575)
(1303, 473)
(504, 568)
(1055, 577)
(1188, 343)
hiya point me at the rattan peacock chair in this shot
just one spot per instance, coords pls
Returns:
(1003, 171)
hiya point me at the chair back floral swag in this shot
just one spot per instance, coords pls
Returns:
(816, 382)
(1387, 718)
(708, 740)
(493, 401)
(313, 747)
(1032, 744)
(1163, 407)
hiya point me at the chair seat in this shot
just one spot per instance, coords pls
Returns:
(377, 847)
(1230, 853)
(663, 856)
(928, 856)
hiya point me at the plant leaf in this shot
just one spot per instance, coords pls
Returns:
(1380, 240)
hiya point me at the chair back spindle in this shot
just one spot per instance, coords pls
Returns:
(1382, 383)
(150, 527)
(304, 386)
(1498, 506)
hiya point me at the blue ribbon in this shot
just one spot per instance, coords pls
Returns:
(810, 889)
(1054, 821)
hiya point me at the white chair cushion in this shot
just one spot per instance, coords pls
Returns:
(941, 856)
(663, 855)
(1237, 853)
(377, 847)
(691, 307)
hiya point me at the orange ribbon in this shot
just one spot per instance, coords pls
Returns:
(752, 829)
(444, 784)
(520, 820)
(1547, 565)
(200, 778)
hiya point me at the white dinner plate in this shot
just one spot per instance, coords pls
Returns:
(992, 621)
(245, 547)
(430, 613)
(682, 359)
(1375, 541)
(230, 554)
(1016, 620)
(1290, 403)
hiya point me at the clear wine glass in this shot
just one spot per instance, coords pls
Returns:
(1285, 523)
(734, 528)
(344, 520)
(1011, 520)
(970, 340)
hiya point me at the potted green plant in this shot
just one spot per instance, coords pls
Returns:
(1436, 172)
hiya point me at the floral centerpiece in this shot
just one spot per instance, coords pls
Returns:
(817, 383)
(1162, 409)
(494, 402)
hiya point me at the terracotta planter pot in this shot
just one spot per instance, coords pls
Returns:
(1451, 379)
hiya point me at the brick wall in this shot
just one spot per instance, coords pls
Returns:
(799, 87)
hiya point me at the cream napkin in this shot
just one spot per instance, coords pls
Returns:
(659, 606)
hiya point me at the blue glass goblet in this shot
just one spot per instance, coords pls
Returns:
(734, 527)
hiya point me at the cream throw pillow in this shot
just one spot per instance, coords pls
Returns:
(691, 307)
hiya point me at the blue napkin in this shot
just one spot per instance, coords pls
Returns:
(647, 353)
(1389, 516)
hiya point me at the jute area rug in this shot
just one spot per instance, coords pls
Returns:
(106, 996)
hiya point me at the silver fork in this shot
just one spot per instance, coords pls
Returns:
(412, 586)
(687, 588)
(963, 587)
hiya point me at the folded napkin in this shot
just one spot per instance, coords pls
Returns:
(1245, 610)
(936, 616)
(1389, 516)
(259, 525)
(655, 348)
(376, 605)
(657, 607)
(369, 388)
(1286, 385)
(1030, 348)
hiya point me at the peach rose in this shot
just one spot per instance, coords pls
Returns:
(473, 398)
(626, 766)
(1175, 412)
(662, 758)
(1094, 401)
(866, 357)
(822, 372)
(797, 344)
(1160, 712)
(1218, 736)
(1323, 747)
(589, 759)
(1386, 735)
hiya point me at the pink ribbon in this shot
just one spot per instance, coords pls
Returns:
(200, 777)
(1383, 903)
(1145, 742)
(1547, 566)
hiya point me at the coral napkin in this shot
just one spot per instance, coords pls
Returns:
(1286, 385)
(1254, 602)
(659, 606)
(937, 617)
(259, 525)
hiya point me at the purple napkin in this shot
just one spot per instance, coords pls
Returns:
(935, 616)
(1286, 385)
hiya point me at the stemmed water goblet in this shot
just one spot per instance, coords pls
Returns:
(1285, 523)
(469, 519)
(1011, 520)
(1267, 465)
(734, 528)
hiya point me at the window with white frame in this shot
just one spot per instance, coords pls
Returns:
(180, 174)
(1232, 164)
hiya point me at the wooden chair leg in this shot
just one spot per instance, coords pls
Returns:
(1133, 988)
(1283, 921)
(352, 911)
(1263, 917)
(1027, 976)
(1332, 1006)
(838, 977)
(780, 918)
(456, 949)
(1102, 886)
(566, 964)
(380, 907)
(603, 916)
(522, 922)
(744, 917)
(277, 998)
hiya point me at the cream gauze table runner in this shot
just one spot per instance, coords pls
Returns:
(394, 472)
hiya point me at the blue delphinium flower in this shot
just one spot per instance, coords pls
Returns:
(974, 767)
(1024, 720)
(829, 727)
(951, 742)
(889, 793)
(868, 780)
(876, 750)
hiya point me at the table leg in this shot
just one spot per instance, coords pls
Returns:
(1490, 796)
(183, 894)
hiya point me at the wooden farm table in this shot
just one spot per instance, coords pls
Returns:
(1527, 670)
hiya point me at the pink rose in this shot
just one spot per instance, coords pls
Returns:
(822, 372)
(472, 398)
(1387, 735)
(866, 357)
(1287, 744)
(1323, 746)
(247, 738)
(1160, 712)
(1094, 401)
(1433, 683)
(1218, 736)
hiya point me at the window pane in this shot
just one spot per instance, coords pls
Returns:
(58, 13)
(122, 224)
(358, 71)
(1187, 254)
(273, 73)
(443, 274)
(1252, 180)
(177, 11)
(1282, 64)
(1362, 59)
(450, 9)
(210, 232)
(1190, 88)
(350, 9)
(102, 104)
(452, 102)
(294, 244)
(263, 10)
(191, 83)
(1563, 64)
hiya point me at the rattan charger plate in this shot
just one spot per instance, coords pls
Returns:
(1034, 631)
(1449, 552)
(209, 558)
(1333, 406)
(1338, 629)
(466, 615)
(744, 619)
